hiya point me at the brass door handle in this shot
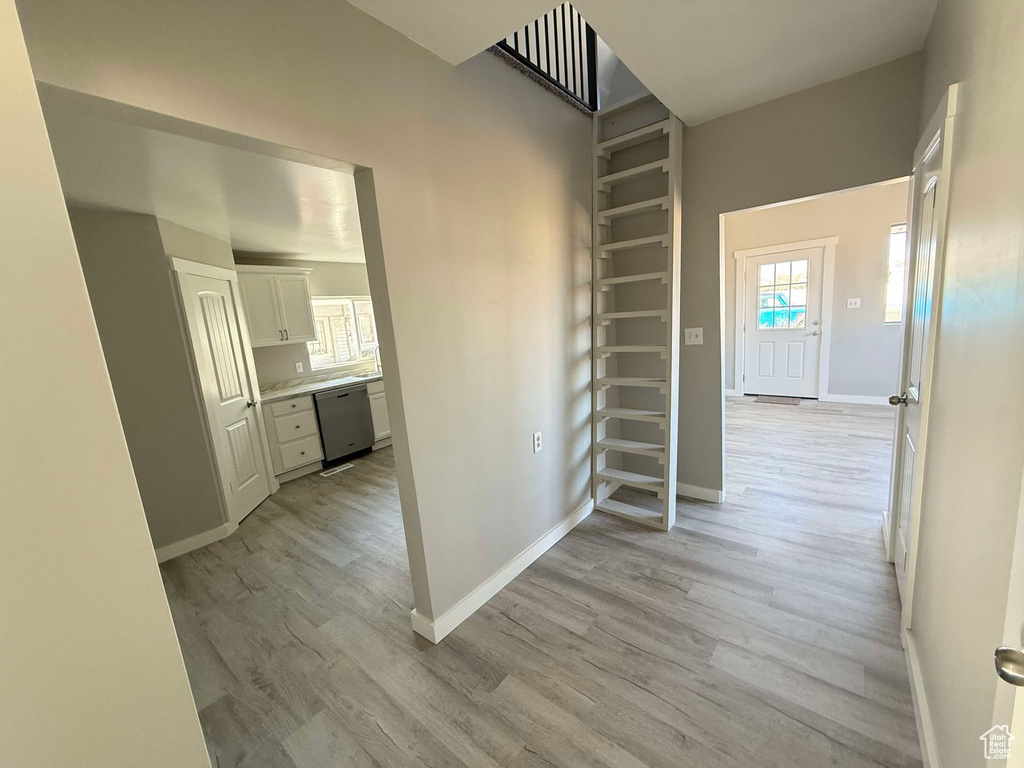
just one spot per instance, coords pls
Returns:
(898, 399)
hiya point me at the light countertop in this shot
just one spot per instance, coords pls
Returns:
(311, 384)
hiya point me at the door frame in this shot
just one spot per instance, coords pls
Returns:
(828, 265)
(943, 122)
(181, 269)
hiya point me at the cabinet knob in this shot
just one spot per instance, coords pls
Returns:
(302, 453)
(298, 426)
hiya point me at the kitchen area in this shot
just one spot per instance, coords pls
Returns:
(316, 319)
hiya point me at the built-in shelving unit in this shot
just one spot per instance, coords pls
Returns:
(636, 310)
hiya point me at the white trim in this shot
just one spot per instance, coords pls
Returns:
(700, 493)
(435, 631)
(857, 399)
(885, 536)
(922, 714)
(828, 265)
(192, 543)
(273, 270)
(733, 393)
(202, 270)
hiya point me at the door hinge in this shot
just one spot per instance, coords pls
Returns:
(905, 555)
(744, 377)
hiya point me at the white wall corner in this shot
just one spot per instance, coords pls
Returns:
(435, 631)
(192, 543)
(925, 727)
(699, 493)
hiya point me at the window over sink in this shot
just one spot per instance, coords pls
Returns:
(346, 332)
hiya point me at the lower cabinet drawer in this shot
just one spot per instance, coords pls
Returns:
(294, 426)
(299, 452)
(293, 405)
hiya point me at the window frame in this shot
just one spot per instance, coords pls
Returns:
(889, 273)
(363, 361)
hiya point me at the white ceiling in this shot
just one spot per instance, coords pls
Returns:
(255, 202)
(702, 58)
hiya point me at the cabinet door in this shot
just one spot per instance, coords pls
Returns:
(259, 294)
(296, 307)
(379, 414)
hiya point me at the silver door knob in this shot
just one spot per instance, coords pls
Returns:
(814, 333)
(898, 399)
(1010, 665)
(250, 403)
(814, 322)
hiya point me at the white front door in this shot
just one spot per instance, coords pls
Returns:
(212, 307)
(782, 323)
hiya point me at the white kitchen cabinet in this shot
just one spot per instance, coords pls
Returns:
(378, 410)
(278, 305)
(293, 436)
(296, 307)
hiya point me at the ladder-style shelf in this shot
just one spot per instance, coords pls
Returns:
(636, 254)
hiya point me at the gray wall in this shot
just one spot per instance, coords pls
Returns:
(865, 351)
(857, 130)
(124, 259)
(483, 184)
(91, 669)
(328, 278)
(972, 488)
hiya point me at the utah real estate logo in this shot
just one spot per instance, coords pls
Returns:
(997, 742)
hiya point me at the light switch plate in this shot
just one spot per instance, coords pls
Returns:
(536, 442)
(693, 336)
(853, 303)
(298, 367)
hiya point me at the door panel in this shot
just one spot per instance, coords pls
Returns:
(296, 307)
(782, 322)
(920, 328)
(212, 311)
(261, 309)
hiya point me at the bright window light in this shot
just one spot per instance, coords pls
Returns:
(894, 279)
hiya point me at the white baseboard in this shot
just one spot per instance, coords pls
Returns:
(384, 442)
(925, 727)
(435, 631)
(886, 524)
(854, 399)
(179, 548)
(733, 393)
(699, 493)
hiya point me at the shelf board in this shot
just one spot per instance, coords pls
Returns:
(627, 210)
(656, 168)
(633, 414)
(651, 348)
(632, 479)
(639, 242)
(631, 446)
(631, 381)
(607, 281)
(632, 513)
(605, 317)
(631, 139)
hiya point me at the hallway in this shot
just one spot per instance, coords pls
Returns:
(761, 632)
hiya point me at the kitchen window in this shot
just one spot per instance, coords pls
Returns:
(346, 333)
(894, 278)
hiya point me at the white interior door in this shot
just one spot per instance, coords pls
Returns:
(782, 323)
(928, 201)
(212, 307)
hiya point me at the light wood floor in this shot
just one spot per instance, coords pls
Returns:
(759, 632)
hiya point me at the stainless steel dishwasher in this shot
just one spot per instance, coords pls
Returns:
(345, 423)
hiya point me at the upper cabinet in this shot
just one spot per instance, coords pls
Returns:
(278, 305)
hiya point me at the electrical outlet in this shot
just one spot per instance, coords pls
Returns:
(853, 303)
(693, 336)
(536, 442)
(298, 367)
